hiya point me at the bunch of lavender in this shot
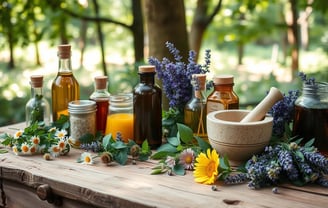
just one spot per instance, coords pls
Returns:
(283, 113)
(300, 165)
(176, 75)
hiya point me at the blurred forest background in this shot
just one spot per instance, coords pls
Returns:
(263, 43)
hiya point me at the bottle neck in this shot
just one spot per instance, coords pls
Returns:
(65, 65)
(223, 87)
(319, 90)
(36, 91)
(147, 78)
(199, 93)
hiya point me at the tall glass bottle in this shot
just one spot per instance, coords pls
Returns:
(101, 97)
(37, 109)
(311, 115)
(147, 108)
(195, 109)
(65, 87)
(223, 97)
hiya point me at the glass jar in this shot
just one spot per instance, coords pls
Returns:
(37, 109)
(311, 115)
(223, 97)
(195, 109)
(120, 116)
(82, 117)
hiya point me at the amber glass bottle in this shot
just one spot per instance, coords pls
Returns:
(147, 109)
(195, 109)
(101, 97)
(65, 87)
(223, 97)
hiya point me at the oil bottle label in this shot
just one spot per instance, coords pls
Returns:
(214, 106)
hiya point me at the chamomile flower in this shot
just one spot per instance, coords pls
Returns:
(170, 161)
(62, 144)
(15, 150)
(35, 140)
(206, 168)
(187, 159)
(18, 134)
(25, 148)
(54, 150)
(61, 134)
(33, 149)
(86, 158)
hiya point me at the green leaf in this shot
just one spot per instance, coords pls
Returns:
(87, 138)
(185, 133)
(300, 155)
(179, 170)
(161, 155)
(167, 148)
(145, 148)
(173, 140)
(105, 141)
(224, 163)
(158, 171)
(309, 143)
(121, 157)
(118, 145)
(203, 144)
(2, 151)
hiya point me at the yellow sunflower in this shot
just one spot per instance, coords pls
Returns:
(206, 167)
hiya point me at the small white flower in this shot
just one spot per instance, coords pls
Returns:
(61, 134)
(54, 150)
(25, 148)
(86, 158)
(170, 161)
(52, 129)
(18, 134)
(62, 144)
(15, 150)
(35, 140)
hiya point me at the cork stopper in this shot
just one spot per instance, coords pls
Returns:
(223, 79)
(101, 82)
(64, 51)
(36, 81)
(201, 80)
(146, 69)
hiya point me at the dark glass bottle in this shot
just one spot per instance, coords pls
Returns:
(223, 97)
(195, 109)
(311, 115)
(37, 108)
(147, 108)
(65, 87)
(101, 97)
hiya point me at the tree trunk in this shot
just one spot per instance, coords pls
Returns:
(82, 40)
(293, 35)
(240, 47)
(138, 31)
(166, 22)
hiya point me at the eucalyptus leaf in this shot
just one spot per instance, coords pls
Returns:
(161, 155)
(121, 157)
(119, 145)
(173, 140)
(185, 133)
(167, 148)
(203, 144)
(105, 141)
(179, 170)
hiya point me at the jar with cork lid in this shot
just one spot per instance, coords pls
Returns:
(223, 97)
(37, 109)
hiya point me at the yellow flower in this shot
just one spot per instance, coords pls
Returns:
(18, 134)
(206, 167)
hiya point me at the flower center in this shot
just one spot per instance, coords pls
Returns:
(87, 159)
(25, 148)
(210, 168)
(188, 159)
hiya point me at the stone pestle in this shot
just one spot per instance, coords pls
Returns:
(259, 112)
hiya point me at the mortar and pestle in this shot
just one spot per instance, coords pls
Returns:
(240, 134)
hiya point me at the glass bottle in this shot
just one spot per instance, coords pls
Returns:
(101, 97)
(223, 97)
(65, 87)
(311, 115)
(195, 109)
(82, 119)
(120, 117)
(37, 109)
(147, 108)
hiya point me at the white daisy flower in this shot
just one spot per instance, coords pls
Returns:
(35, 140)
(61, 134)
(25, 148)
(54, 150)
(86, 158)
(15, 150)
(62, 144)
(18, 134)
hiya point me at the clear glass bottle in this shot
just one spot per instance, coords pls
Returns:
(82, 118)
(223, 97)
(65, 87)
(37, 109)
(101, 97)
(311, 115)
(195, 109)
(147, 108)
(120, 117)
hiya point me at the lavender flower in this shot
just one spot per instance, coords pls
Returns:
(316, 159)
(285, 159)
(236, 179)
(176, 76)
(310, 81)
(94, 146)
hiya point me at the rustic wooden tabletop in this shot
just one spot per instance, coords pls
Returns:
(131, 185)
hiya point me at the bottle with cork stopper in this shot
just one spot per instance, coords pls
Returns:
(65, 87)
(37, 109)
(101, 97)
(223, 97)
(195, 109)
(147, 108)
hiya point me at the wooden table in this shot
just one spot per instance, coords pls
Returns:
(63, 182)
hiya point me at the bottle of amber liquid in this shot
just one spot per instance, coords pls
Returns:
(101, 97)
(223, 97)
(65, 87)
(195, 109)
(311, 115)
(147, 108)
(37, 108)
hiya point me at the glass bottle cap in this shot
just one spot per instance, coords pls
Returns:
(146, 69)
(64, 51)
(101, 82)
(82, 106)
(36, 81)
(223, 79)
(201, 80)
